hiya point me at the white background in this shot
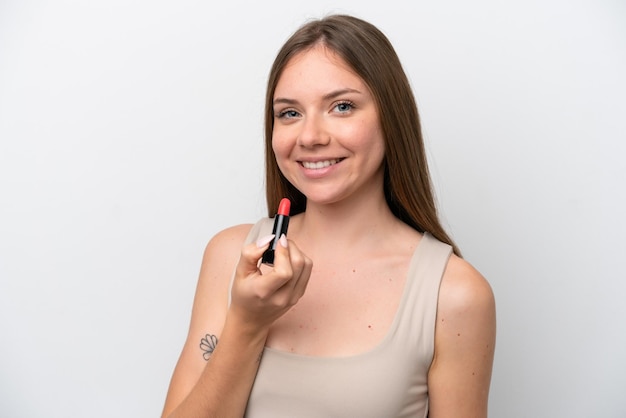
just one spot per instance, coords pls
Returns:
(131, 132)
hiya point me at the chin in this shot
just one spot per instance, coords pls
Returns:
(322, 198)
(326, 198)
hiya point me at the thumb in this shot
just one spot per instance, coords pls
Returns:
(250, 255)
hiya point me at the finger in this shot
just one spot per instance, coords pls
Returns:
(299, 262)
(283, 270)
(300, 266)
(301, 283)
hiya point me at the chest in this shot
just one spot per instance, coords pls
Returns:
(347, 309)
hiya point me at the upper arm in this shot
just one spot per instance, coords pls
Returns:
(465, 334)
(209, 308)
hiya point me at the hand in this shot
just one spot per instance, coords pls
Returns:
(259, 297)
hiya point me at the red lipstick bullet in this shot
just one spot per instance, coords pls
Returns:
(281, 222)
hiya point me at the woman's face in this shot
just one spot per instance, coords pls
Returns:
(327, 136)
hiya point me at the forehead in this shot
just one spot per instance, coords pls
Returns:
(317, 68)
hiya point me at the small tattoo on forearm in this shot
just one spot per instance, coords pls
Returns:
(207, 345)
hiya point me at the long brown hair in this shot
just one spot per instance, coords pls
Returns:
(407, 185)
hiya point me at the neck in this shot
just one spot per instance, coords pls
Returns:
(360, 221)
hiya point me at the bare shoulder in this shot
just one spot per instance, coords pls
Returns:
(228, 238)
(220, 257)
(466, 307)
(465, 334)
(463, 287)
(225, 246)
(212, 291)
(218, 264)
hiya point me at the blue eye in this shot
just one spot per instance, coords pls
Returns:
(344, 107)
(288, 114)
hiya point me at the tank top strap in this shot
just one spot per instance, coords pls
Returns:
(261, 228)
(417, 313)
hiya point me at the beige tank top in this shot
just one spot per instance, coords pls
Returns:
(388, 381)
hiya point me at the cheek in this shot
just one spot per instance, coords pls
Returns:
(377, 136)
(282, 150)
(367, 136)
(278, 145)
(283, 140)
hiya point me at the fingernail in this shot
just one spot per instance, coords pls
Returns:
(283, 241)
(263, 241)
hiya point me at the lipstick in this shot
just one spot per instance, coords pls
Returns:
(281, 222)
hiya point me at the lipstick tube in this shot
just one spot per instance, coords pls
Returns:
(281, 222)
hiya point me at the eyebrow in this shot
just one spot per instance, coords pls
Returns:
(328, 96)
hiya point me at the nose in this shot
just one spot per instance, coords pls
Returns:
(313, 132)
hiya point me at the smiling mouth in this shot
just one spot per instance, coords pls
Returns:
(319, 164)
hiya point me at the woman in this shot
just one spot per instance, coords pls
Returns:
(368, 309)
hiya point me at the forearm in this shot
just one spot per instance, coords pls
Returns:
(225, 383)
(221, 387)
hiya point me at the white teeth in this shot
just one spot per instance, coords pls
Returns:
(319, 164)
